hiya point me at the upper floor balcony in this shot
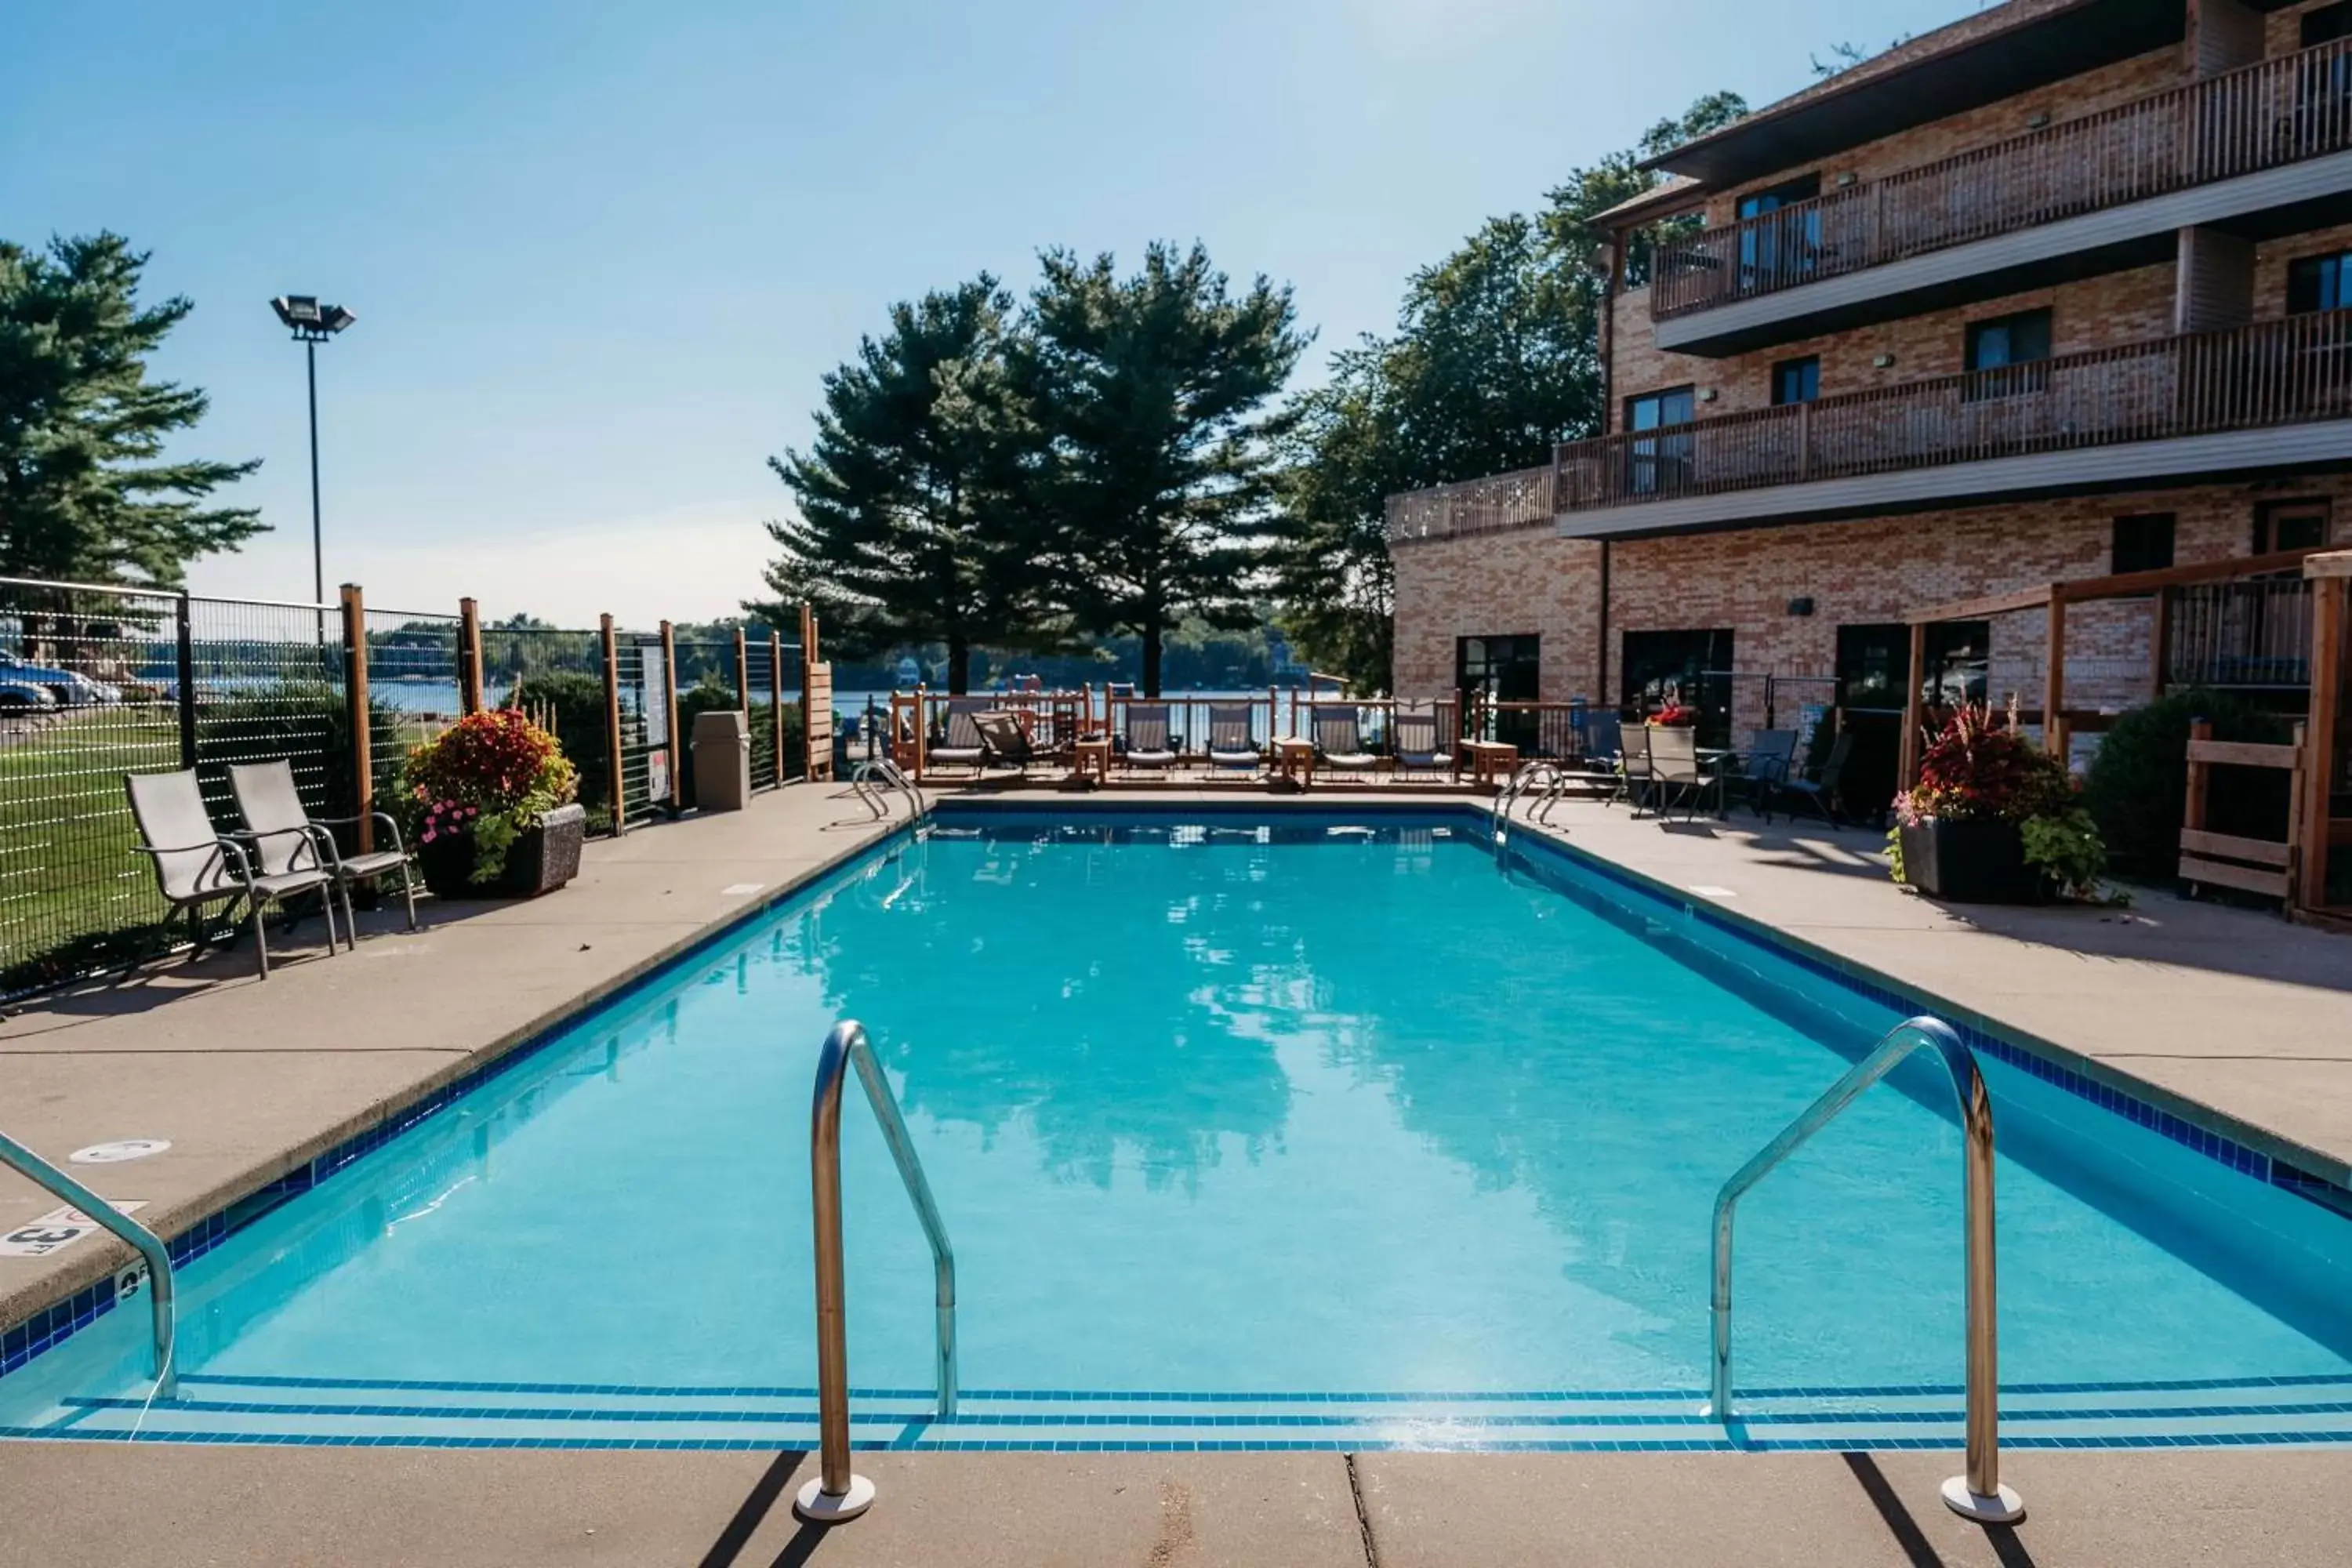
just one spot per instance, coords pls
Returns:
(2276, 395)
(2105, 191)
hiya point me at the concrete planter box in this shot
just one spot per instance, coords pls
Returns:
(541, 860)
(1970, 862)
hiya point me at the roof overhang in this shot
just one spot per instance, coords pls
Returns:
(2042, 46)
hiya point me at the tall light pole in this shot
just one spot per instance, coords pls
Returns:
(314, 324)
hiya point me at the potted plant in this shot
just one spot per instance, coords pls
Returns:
(1992, 819)
(490, 808)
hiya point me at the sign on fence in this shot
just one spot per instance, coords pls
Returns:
(653, 696)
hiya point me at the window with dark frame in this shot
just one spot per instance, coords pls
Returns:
(2319, 283)
(1797, 380)
(1773, 253)
(2006, 351)
(1502, 670)
(2290, 525)
(1659, 464)
(2326, 23)
(2142, 542)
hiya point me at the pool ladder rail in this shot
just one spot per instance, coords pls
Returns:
(838, 1493)
(1540, 774)
(160, 1292)
(1977, 1494)
(872, 779)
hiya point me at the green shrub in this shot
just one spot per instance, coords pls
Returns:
(571, 703)
(2138, 782)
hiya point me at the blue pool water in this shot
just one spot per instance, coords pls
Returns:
(1340, 1133)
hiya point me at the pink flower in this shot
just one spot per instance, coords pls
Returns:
(429, 835)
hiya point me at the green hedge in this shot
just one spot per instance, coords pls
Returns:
(2138, 782)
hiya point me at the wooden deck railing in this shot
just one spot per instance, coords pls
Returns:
(2284, 372)
(1490, 505)
(2258, 117)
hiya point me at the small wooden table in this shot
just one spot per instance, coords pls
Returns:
(1491, 762)
(1094, 757)
(1294, 760)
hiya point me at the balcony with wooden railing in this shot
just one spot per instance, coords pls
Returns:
(2271, 375)
(2263, 116)
(1492, 505)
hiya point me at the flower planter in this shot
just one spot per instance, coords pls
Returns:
(1971, 861)
(541, 860)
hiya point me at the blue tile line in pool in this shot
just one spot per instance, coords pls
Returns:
(51, 1326)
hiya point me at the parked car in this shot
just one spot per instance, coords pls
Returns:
(66, 688)
(24, 695)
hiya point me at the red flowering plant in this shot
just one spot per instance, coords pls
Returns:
(490, 777)
(1975, 768)
(1674, 716)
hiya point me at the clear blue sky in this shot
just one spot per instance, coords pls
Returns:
(602, 252)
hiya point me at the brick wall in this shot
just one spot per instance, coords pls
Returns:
(2271, 261)
(2090, 313)
(1871, 570)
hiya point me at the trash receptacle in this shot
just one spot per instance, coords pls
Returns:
(722, 761)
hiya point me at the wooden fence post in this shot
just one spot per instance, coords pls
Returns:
(669, 704)
(2053, 679)
(1907, 766)
(2193, 814)
(355, 695)
(742, 676)
(776, 697)
(469, 656)
(612, 724)
(2311, 831)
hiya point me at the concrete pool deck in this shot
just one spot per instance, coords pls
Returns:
(2230, 1010)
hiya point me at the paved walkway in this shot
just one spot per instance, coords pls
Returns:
(89, 1505)
(249, 1079)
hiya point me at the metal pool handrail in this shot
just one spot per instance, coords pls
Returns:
(861, 782)
(33, 1168)
(837, 1493)
(1979, 1494)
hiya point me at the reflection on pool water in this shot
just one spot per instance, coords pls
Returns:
(1337, 1134)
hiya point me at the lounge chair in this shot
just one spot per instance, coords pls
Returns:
(1339, 742)
(1002, 742)
(1420, 747)
(1143, 736)
(961, 747)
(196, 867)
(1674, 773)
(1232, 741)
(1819, 795)
(1764, 765)
(274, 814)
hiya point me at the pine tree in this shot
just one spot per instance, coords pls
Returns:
(82, 493)
(910, 496)
(1155, 393)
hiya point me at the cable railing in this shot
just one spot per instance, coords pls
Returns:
(838, 1493)
(2261, 116)
(2289, 371)
(1978, 1493)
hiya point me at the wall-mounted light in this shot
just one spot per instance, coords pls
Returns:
(1847, 178)
(1801, 605)
(1707, 395)
(1885, 361)
(2038, 121)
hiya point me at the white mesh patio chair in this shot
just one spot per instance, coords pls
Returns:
(1340, 741)
(197, 867)
(273, 812)
(1419, 746)
(1232, 739)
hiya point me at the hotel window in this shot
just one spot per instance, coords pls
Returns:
(1773, 254)
(1797, 380)
(2326, 23)
(2142, 542)
(2290, 525)
(2006, 351)
(1658, 464)
(2319, 283)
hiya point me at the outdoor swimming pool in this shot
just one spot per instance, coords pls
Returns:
(1302, 1129)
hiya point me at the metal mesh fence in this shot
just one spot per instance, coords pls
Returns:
(644, 757)
(558, 676)
(412, 671)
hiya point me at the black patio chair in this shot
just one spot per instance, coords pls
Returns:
(1820, 795)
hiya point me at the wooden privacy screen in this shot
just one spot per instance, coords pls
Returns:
(2224, 860)
(816, 700)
